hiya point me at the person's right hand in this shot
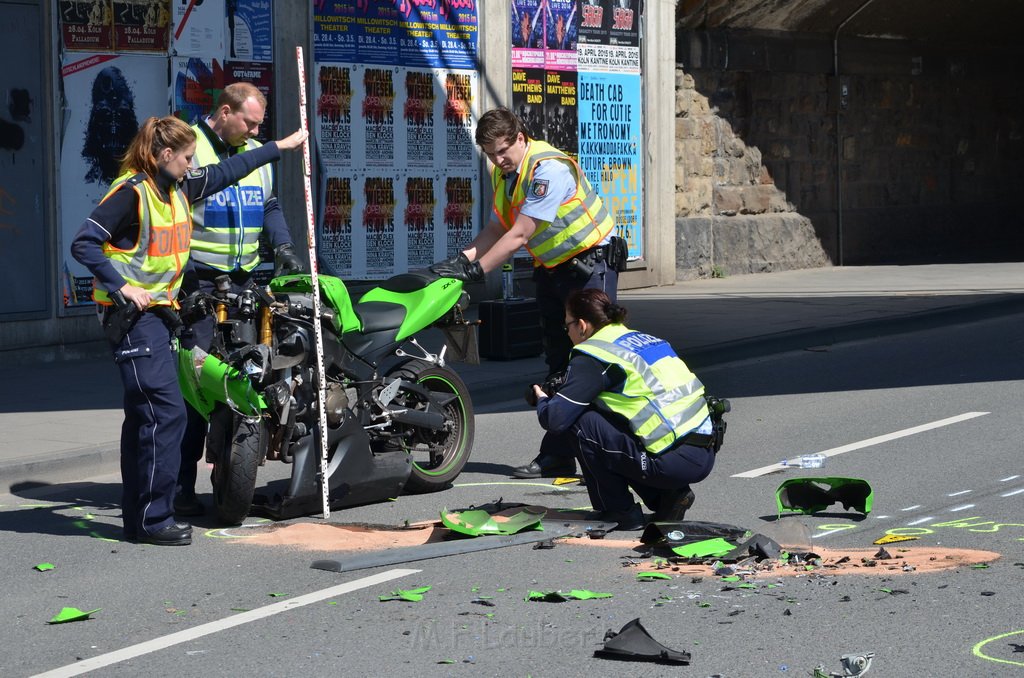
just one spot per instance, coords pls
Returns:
(293, 140)
(136, 295)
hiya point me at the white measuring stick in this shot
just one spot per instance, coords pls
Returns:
(321, 378)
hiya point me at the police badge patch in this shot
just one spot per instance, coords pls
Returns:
(539, 188)
(195, 172)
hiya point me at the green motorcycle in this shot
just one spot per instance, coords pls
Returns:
(398, 418)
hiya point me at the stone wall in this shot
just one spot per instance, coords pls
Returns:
(731, 214)
(931, 136)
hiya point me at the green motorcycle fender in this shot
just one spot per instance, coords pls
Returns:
(206, 380)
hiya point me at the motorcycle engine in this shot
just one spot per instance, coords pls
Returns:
(337, 404)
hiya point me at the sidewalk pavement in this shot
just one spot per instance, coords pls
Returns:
(60, 421)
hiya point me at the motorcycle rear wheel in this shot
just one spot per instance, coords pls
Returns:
(438, 457)
(237, 444)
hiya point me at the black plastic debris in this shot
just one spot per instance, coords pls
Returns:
(634, 643)
(693, 530)
(883, 554)
(758, 546)
(546, 544)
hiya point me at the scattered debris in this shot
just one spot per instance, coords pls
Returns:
(701, 549)
(883, 555)
(651, 576)
(634, 643)
(43, 567)
(479, 522)
(71, 614)
(546, 544)
(853, 665)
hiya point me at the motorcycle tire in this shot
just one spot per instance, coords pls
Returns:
(438, 457)
(237, 445)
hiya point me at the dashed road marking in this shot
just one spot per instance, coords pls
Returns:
(961, 508)
(957, 494)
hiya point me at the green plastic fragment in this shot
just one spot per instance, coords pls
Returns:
(811, 495)
(43, 567)
(885, 590)
(411, 595)
(478, 522)
(71, 614)
(980, 566)
(704, 548)
(747, 586)
(446, 661)
(561, 597)
(651, 576)
(731, 577)
(703, 604)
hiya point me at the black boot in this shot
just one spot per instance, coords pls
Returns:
(546, 467)
(628, 520)
(175, 534)
(672, 506)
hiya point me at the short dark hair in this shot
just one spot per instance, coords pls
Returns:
(596, 307)
(499, 124)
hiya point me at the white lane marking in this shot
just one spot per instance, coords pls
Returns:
(867, 443)
(911, 508)
(921, 520)
(961, 508)
(1012, 492)
(156, 644)
(1009, 478)
(825, 534)
(881, 517)
(957, 494)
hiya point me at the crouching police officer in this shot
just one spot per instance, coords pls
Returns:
(634, 414)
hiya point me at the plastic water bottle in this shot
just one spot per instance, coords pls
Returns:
(508, 282)
(806, 461)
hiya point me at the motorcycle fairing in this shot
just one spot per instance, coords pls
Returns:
(206, 380)
(333, 291)
(424, 297)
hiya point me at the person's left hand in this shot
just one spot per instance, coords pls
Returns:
(460, 268)
(285, 260)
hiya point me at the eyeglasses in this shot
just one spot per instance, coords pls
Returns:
(569, 324)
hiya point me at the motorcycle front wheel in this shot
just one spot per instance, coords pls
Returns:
(438, 456)
(236, 445)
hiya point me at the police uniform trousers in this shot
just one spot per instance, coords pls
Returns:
(613, 461)
(199, 334)
(154, 422)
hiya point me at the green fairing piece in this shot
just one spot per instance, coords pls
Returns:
(811, 495)
(70, 614)
(704, 549)
(650, 576)
(43, 567)
(206, 380)
(478, 522)
(411, 595)
(560, 597)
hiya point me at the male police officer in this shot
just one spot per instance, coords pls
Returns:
(543, 201)
(226, 241)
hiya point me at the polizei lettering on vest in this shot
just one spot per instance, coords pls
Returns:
(638, 341)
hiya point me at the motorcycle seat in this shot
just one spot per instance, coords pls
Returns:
(413, 281)
(379, 315)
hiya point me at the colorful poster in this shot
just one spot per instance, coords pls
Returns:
(460, 116)
(142, 25)
(87, 26)
(332, 119)
(334, 242)
(431, 34)
(610, 142)
(419, 221)
(527, 33)
(198, 28)
(561, 29)
(419, 117)
(460, 204)
(250, 30)
(107, 96)
(624, 30)
(560, 111)
(595, 18)
(377, 106)
(195, 83)
(378, 220)
(528, 99)
(262, 76)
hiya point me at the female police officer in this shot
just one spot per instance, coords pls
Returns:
(632, 411)
(136, 245)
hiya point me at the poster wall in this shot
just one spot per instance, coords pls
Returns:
(107, 95)
(395, 92)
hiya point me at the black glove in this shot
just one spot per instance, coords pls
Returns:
(285, 261)
(460, 268)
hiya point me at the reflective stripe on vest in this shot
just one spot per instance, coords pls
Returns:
(228, 224)
(158, 257)
(661, 398)
(580, 223)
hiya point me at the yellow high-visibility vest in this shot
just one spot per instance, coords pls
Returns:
(156, 260)
(580, 223)
(661, 398)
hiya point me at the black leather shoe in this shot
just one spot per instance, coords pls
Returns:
(537, 470)
(188, 505)
(628, 520)
(175, 534)
(672, 506)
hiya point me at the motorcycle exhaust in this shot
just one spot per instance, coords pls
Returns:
(431, 420)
